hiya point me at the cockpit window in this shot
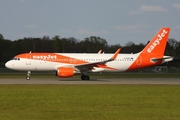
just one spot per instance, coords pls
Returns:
(15, 58)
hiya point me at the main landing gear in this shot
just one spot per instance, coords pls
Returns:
(28, 75)
(85, 77)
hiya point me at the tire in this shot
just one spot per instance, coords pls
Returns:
(27, 78)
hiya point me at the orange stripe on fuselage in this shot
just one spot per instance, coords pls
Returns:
(52, 57)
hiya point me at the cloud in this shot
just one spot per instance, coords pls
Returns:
(30, 26)
(88, 32)
(176, 6)
(65, 31)
(146, 8)
(128, 27)
(84, 31)
(43, 34)
(150, 8)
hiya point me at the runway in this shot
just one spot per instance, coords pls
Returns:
(173, 81)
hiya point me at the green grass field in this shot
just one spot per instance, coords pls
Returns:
(90, 102)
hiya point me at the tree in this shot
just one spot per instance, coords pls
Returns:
(93, 44)
(1, 37)
(113, 48)
(171, 46)
(177, 50)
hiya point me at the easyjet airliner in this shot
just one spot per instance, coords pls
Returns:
(68, 64)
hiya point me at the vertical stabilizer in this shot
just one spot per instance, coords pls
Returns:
(153, 53)
(157, 44)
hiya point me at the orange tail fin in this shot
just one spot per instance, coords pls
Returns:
(158, 43)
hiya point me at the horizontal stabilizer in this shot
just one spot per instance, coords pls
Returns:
(164, 58)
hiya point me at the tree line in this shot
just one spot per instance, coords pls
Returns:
(92, 44)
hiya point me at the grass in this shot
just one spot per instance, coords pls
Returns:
(126, 102)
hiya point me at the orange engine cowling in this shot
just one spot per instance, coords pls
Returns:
(65, 72)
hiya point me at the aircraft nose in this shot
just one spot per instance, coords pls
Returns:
(8, 64)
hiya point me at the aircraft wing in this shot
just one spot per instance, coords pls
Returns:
(89, 66)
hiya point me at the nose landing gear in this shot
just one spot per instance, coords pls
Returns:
(28, 75)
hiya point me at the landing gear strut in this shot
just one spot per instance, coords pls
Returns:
(28, 75)
(85, 77)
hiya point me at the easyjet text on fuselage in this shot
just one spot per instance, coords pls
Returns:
(44, 57)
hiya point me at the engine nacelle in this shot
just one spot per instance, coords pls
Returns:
(65, 72)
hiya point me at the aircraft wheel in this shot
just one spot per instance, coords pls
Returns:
(84, 77)
(27, 78)
(28, 75)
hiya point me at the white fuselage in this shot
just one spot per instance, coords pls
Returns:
(121, 63)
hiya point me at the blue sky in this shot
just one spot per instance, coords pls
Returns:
(117, 21)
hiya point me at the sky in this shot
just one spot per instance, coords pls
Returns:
(116, 21)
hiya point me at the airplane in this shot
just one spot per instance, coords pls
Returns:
(67, 64)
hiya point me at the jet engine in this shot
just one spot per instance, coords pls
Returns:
(65, 72)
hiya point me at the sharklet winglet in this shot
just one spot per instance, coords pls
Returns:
(115, 55)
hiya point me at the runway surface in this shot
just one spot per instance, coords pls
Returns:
(173, 81)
